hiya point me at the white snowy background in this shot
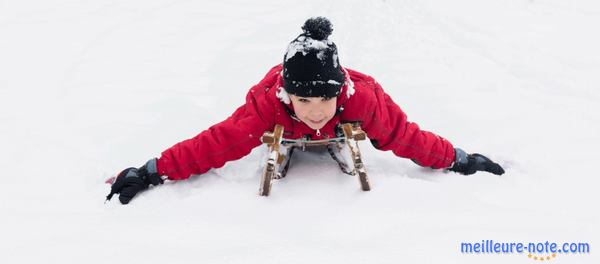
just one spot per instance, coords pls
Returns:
(88, 88)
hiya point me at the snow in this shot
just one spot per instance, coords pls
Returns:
(306, 44)
(349, 85)
(88, 88)
(283, 96)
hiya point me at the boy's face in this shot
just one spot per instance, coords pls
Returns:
(314, 111)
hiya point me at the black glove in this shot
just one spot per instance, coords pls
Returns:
(468, 164)
(133, 180)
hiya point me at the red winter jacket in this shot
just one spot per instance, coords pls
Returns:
(361, 100)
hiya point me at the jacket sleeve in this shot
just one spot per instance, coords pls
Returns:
(229, 140)
(389, 129)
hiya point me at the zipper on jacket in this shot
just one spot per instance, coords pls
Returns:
(318, 132)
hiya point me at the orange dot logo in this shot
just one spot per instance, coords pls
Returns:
(541, 258)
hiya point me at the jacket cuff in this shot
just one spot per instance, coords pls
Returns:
(151, 166)
(461, 157)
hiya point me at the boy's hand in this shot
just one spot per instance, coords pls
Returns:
(133, 180)
(468, 164)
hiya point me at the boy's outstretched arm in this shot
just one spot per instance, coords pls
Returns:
(389, 129)
(228, 140)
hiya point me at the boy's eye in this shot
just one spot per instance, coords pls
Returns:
(304, 100)
(325, 99)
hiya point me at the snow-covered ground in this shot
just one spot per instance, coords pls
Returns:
(88, 88)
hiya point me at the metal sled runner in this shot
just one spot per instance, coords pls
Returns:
(281, 150)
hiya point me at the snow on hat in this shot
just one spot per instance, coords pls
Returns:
(310, 66)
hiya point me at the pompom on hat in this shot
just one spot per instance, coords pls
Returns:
(311, 67)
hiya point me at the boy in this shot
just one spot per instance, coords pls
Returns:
(310, 94)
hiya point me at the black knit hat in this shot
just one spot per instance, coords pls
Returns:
(310, 66)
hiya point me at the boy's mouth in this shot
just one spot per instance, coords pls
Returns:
(316, 121)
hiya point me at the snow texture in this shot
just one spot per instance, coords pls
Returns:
(305, 45)
(88, 88)
(349, 85)
(283, 95)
